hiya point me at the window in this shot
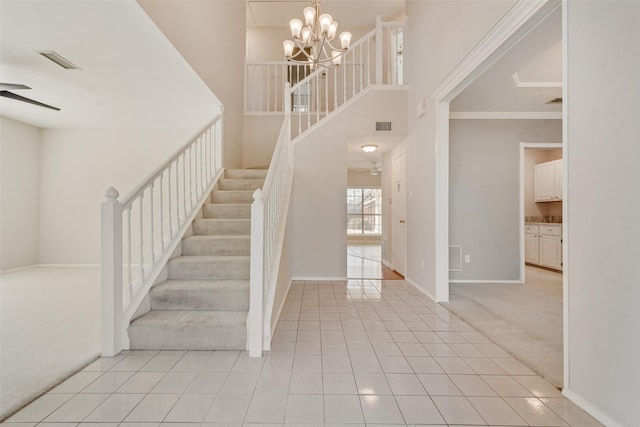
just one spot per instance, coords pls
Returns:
(364, 211)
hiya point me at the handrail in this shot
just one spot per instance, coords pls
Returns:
(267, 228)
(139, 233)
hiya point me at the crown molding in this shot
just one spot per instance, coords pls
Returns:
(523, 16)
(497, 115)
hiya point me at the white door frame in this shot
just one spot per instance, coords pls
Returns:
(523, 146)
(523, 16)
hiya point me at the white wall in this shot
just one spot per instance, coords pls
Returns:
(484, 193)
(603, 207)
(77, 166)
(19, 194)
(438, 35)
(210, 35)
(362, 178)
(319, 213)
(260, 138)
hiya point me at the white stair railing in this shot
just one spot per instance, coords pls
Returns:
(268, 222)
(140, 232)
(377, 58)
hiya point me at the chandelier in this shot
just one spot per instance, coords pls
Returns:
(311, 42)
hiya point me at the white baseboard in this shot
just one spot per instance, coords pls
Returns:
(424, 291)
(27, 267)
(319, 278)
(590, 409)
(386, 263)
(518, 282)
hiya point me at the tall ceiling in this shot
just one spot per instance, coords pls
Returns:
(130, 75)
(348, 13)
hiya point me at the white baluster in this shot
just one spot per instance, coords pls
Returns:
(142, 245)
(169, 208)
(129, 254)
(184, 186)
(161, 214)
(379, 36)
(153, 233)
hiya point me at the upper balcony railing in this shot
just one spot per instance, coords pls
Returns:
(375, 59)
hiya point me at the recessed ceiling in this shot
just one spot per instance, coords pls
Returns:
(524, 79)
(348, 13)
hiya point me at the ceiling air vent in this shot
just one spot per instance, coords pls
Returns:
(64, 63)
(555, 101)
(383, 126)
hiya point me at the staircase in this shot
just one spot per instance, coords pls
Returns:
(204, 302)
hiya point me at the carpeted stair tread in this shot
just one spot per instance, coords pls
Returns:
(216, 245)
(204, 267)
(232, 197)
(222, 227)
(189, 330)
(227, 211)
(232, 184)
(222, 295)
(245, 173)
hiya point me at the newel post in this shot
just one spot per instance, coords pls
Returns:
(256, 280)
(111, 273)
(379, 36)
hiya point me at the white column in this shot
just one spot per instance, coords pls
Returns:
(256, 279)
(111, 272)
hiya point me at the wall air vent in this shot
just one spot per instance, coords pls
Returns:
(555, 101)
(383, 126)
(64, 63)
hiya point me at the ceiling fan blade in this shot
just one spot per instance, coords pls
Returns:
(7, 94)
(12, 86)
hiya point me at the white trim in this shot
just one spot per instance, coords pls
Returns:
(519, 83)
(517, 282)
(523, 16)
(523, 146)
(506, 115)
(13, 270)
(442, 204)
(319, 278)
(567, 198)
(386, 263)
(278, 313)
(590, 409)
(67, 265)
(424, 291)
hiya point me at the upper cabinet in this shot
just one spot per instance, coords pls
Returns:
(548, 181)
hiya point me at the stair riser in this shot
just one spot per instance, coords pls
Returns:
(232, 197)
(245, 173)
(222, 228)
(231, 269)
(215, 245)
(200, 299)
(227, 211)
(197, 337)
(240, 185)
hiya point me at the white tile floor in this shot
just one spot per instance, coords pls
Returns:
(357, 352)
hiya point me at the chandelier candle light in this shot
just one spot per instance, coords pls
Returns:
(313, 40)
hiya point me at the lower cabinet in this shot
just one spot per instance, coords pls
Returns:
(543, 245)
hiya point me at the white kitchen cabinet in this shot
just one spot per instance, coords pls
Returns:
(531, 244)
(548, 181)
(543, 245)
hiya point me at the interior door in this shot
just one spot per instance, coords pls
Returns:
(398, 209)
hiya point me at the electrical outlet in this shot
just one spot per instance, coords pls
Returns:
(467, 259)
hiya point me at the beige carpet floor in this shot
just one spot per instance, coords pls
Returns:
(525, 320)
(49, 329)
